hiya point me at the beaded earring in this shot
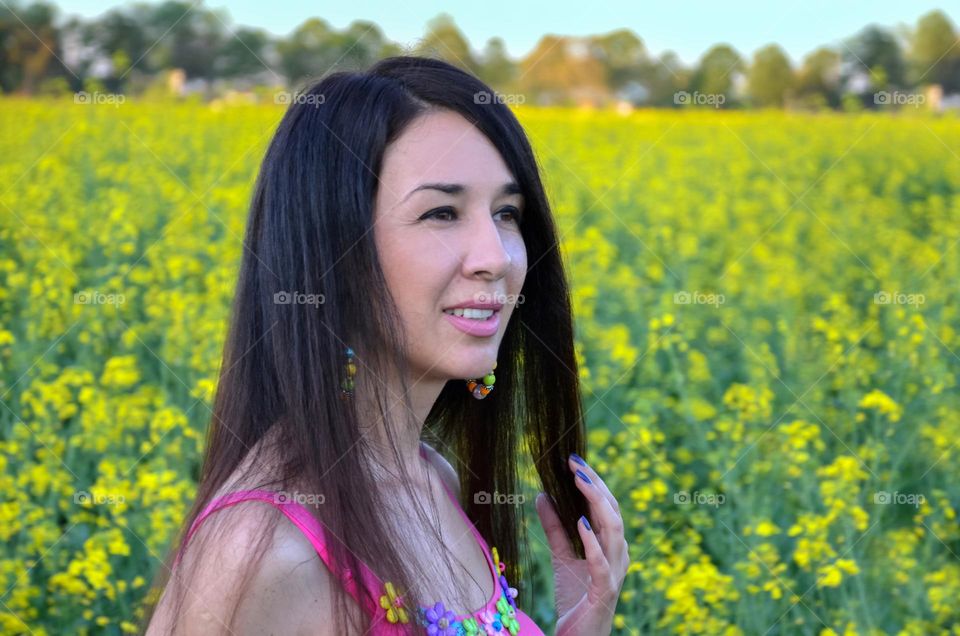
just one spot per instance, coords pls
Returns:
(346, 386)
(482, 388)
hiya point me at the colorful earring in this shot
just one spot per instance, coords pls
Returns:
(346, 386)
(481, 389)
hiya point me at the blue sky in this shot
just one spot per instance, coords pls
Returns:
(688, 28)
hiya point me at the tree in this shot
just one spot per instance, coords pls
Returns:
(445, 41)
(622, 55)
(177, 35)
(29, 47)
(314, 49)
(496, 67)
(935, 52)
(714, 73)
(876, 55)
(360, 45)
(561, 70)
(771, 77)
(106, 43)
(662, 78)
(309, 51)
(242, 53)
(818, 80)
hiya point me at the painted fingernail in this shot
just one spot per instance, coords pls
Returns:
(586, 523)
(577, 459)
(582, 475)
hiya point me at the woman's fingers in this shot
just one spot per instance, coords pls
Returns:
(601, 588)
(576, 461)
(609, 524)
(560, 545)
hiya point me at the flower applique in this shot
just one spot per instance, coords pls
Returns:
(470, 626)
(490, 622)
(510, 593)
(439, 621)
(396, 613)
(508, 616)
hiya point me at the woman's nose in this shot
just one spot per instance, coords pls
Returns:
(487, 254)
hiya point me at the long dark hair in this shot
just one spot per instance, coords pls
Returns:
(310, 231)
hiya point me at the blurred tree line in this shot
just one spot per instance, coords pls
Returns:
(133, 47)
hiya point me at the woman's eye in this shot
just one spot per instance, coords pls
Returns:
(448, 213)
(438, 212)
(513, 212)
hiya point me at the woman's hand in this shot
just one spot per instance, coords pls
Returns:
(587, 589)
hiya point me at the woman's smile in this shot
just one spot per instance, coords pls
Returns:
(484, 325)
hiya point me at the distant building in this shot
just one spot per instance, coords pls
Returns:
(176, 80)
(938, 101)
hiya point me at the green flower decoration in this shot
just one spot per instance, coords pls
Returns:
(508, 616)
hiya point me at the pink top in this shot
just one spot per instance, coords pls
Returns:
(500, 615)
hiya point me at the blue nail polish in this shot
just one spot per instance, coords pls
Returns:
(582, 475)
(577, 459)
(586, 523)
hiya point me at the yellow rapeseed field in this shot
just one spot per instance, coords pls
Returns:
(766, 310)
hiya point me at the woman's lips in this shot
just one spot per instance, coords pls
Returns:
(473, 327)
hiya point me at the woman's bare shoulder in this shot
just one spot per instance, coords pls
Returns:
(288, 591)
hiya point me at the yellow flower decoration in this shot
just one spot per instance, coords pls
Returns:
(394, 605)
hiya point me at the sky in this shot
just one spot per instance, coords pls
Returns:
(685, 27)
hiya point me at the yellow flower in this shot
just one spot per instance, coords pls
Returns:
(120, 372)
(829, 576)
(883, 403)
(766, 529)
(848, 565)
(396, 613)
(832, 575)
(748, 402)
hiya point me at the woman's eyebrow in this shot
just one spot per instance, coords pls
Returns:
(457, 188)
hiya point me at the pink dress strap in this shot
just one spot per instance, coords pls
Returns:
(527, 626)
(463, 515)
(319, 537)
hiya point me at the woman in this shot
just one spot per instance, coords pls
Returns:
(399, 241)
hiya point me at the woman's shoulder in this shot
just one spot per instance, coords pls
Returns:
(290, 588)
(287, 590)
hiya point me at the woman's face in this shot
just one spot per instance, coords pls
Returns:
(448, 235)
